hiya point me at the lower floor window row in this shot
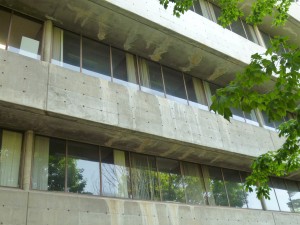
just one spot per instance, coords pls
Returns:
(69, 166)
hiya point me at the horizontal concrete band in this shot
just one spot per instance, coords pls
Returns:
(45, 208)
(53, 100)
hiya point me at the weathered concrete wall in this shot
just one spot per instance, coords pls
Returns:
(179, 131)
(45, 208)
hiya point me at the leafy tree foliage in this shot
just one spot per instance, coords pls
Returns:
(281, 69)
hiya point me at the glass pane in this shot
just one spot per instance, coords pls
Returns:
(115, 173)
(252, 201)
(151, 77)
(170, 180)
(174, 84)
(237, 114)
(197, 6)
(294, 193)
(213, 89)
(10, 155)
(251, 116)
(237, 28)
(235, 188)
(215, 186)
(144, 177)
(95, 58)
(217, 12)
(195, 90)
(266, 38)
(71, 50)
(282, 194)
(266, 120)
(250, 32)
(272, 203)
(25, 41)
(119, 64)
(4, 25)
(83, 168)
(194, 184)
(57, 165)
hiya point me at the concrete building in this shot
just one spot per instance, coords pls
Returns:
(104, 116)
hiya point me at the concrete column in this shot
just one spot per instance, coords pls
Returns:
(28, 151)
(47, 41)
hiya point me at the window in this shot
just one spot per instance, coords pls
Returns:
(237, 113)
(196, 7)
(66, 49)
(4, 26)
(22, 41)
(174, 85)
(124, 68)
(282, 194)
(115, 173)
(195, 91)
(10, 155)
(294, 193)
(144, 177)
(194, 184)
(170, 180)
(215, 186)
(95, 59)
(151, 77)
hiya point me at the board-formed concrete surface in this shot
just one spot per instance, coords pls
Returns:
(20, 207)
(121, 116)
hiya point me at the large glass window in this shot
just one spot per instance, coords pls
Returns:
(252, 201)
(282, 194)
(66, 49)
(115, 173)
(144, 177)
(195, 91)
(215, 186)
(4, 26)
(95, 59)
(294, 193)
(83, 169)
(10, 155)
(124, 68)
(170, 180)
(174, 85)
(25, 41)
(194, 184)
(235, 188)
(151, 77)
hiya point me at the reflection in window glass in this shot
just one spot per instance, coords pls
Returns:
(282, 194)
(215, 186)
(266, 120)
(250, 32)
(56, 163)
(170, 179)
(66, 49)
(124, 67)
(4, 25)
(251, 116)
(237, 27)
(235, 188)
(144, 177)
(174, 84)
(10, 155)
(194, 184)
(83, 170)
(25, 41)
(151, 77)
(272, 203)
(266, 38)
(115, 173)
(294, 193)
(252, 201)
(95, 58)
(195, 90)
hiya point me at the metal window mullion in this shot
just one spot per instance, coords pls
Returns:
(111, 64)
(138, 71)
(9, 30)
(225, 187)
(244, 29)
(163, 80)
(186, 92)
(66, 166)
(275, 193)
(80, 53)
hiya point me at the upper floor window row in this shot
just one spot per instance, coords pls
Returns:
(20, 35)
